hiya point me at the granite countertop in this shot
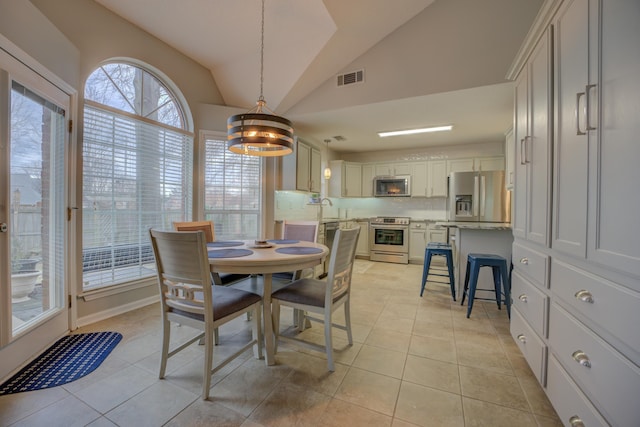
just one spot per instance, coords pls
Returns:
(475, 225)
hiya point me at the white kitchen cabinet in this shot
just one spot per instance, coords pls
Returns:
(419, 179)
(588, 270)
(438, 234)
(368, 172)
(489, 164)
(301, 171)
(393, 169)
(417, 241)
(509, 159)
(533, 157)
(362, 248)
(346, 179)
(460, 165)
(437, 178)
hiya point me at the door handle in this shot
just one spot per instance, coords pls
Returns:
(483, 194)
(587, 90)
(475, 195)
(578, 96)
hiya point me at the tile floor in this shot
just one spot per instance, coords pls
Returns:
(415, 362)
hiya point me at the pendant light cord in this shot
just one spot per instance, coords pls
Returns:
(261, 99)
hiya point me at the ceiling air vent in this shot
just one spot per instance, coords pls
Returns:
(351, 78)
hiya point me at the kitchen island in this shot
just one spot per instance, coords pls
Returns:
(477, 237)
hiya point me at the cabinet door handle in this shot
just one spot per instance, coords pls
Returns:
(524, 261)
(523, 298)
(575, 421)
(584, 296)
(522, 338)
(588, 108)
(523, 158)
(578, 96)
(580, 357)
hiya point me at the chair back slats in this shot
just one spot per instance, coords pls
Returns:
(183, 270)
(306, 231)
(341, 261)
(206, 226)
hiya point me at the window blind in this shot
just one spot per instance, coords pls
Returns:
(232, 191)
(136, 175)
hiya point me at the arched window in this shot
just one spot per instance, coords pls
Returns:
(137, 171)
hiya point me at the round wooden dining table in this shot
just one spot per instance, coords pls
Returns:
(245, 257)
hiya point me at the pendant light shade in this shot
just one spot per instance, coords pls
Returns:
(260, 132)
(327, 170)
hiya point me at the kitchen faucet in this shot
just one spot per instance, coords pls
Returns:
(330, 204)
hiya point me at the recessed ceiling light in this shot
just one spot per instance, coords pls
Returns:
(412, 131)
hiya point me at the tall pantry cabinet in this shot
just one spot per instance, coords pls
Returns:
(576, 293)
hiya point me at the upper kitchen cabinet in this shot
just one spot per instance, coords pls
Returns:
(596, 143)
(368, 172)
(392, 169)
(484, 164)
(437, 178)
(459, 165)
(533, 104)
(301, 171)
(419, 180)
(346, 179)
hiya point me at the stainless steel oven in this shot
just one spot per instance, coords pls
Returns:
(389, 239)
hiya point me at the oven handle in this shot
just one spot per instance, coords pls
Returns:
(390, 227)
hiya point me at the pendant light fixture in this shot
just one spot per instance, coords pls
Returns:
(259, 132)
(327, 170)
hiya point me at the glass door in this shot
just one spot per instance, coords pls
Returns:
(33, 141)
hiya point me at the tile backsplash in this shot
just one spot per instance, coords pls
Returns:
(295, 205)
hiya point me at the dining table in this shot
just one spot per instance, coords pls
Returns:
(264, 258)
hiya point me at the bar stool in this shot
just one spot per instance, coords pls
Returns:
(498, 266)
(440, 249)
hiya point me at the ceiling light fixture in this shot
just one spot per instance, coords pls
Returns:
(259, 132)
(412, 131)
(327, 170)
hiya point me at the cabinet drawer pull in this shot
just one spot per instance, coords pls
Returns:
(522, 338)
(575, 421)
(580, 357)
(524, 261)
(584, 296)
(523, 298)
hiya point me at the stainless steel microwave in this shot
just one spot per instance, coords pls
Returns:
(392, 186)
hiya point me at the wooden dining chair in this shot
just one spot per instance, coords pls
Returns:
(306, 231)
(322, 297)
(187, 298)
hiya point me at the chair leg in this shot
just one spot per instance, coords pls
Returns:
(328, 342)
(166, 334)
(347, 319)
(256, 332)
(208, 363)
(466, 283)
(452, 280)
(496, 285)
(425, 271)
(506, 285)
(473, 279)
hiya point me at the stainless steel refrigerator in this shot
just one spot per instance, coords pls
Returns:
(478, 196)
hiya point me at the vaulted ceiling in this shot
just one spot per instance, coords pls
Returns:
(425, 62)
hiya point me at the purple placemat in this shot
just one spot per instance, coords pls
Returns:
(283, 241)
(224, 244)
(298, 250)
(229, 253)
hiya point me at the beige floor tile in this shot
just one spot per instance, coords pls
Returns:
(69, 411)
(102, 422)
(370, 390)
(154, 406)
(434, 329)
(388, 339)
(207, 413)
(538, 400)
(393, 323)
(401, 423)
(291, 405)
(548, 422)
(246, 387)
(381, 360)
(311, 372)
(341, 413)
(488, 386)
(485, 357)
(116, 389)
(425, 406)
(484, 414)
(432, 373)
(433, 348)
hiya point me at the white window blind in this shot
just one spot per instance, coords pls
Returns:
(232, 191)
(136, 175)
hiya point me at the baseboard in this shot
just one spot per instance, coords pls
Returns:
(102, 315)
